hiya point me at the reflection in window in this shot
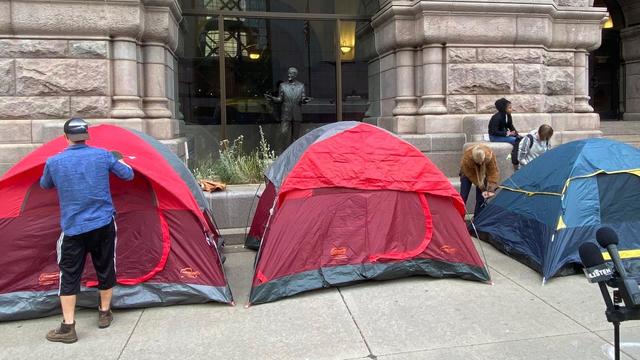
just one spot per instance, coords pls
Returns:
(242, 38)
(224, 4)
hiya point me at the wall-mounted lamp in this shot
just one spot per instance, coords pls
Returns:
(347, 39)
(254, 55)
(608, 24)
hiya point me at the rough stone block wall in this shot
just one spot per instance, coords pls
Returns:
(108, 61)
(534, 79)
(53, 79)
(43, 81)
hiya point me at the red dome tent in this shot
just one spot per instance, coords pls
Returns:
(167, 245)
(350, 201)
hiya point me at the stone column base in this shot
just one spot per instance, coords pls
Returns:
(126, 107)
(164, 129)
(398, 124)
(156, 107)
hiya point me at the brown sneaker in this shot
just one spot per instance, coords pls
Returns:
(104, 318)
(66, 333)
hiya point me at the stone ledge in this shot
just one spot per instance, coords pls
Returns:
(435, 142)
(447, 161)
(568, 136)
(15, 131)
(12, 153)
(47, 130)
(234, 207)
(4, 167)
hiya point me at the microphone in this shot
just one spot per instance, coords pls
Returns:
(595, 267)
(607, 238)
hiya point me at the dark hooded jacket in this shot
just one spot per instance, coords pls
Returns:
(501, 122)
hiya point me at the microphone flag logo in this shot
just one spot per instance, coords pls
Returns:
(598, 273)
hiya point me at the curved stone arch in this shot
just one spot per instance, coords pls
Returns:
(615, 11)
(626, 20)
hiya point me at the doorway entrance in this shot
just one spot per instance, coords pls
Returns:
(606, 79)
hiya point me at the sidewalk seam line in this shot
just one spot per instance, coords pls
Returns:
(558, 310)
(356, 324)
(543, 300)
(131, 334)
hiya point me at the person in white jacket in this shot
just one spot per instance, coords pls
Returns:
(534, 144)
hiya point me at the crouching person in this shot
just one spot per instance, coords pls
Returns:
(479, 168)
(80, 175)
(534, 144)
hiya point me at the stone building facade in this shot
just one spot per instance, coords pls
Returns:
(107, 61)
(437, 67)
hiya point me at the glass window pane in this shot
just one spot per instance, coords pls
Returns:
(265, 50)
(199, 83)
(348, 7)
(357, 48)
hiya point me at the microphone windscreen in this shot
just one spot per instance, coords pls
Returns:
(590, 254)
(606, 236)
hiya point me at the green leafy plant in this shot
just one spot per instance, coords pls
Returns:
(234, 166)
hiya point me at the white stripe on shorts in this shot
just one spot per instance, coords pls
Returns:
(59, 255)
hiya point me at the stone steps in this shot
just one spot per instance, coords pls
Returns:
(624, 131)
(633, 140)
(620, 128)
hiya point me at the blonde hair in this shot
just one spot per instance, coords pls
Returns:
(481, 158)
(478, 155)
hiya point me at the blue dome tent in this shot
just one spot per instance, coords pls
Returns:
(544, 212)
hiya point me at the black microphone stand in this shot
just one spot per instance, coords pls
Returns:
(617, 314)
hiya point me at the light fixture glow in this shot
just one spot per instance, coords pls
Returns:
(254, 55)
(608, 24)
(347, 40)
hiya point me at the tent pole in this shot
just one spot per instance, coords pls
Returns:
(486, 264)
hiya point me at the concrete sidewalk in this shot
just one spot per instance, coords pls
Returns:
(415, 318)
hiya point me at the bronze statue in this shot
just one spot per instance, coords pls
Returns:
(291, 95)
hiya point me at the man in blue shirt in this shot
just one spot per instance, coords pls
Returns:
(80, 175)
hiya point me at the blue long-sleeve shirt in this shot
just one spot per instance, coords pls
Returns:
(80, 174)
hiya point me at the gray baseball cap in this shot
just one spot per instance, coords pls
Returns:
(76, 129)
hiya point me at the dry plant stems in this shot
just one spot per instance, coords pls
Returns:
(234, 166)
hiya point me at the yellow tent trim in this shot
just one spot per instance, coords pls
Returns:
(624, 254)
(635, 172)
(530, 193)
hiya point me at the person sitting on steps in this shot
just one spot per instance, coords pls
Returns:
(501, 127)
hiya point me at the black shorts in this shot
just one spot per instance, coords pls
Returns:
(72, 254)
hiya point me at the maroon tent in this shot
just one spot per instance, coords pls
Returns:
(167, 243)
(349, 202)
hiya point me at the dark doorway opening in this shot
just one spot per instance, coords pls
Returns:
(605, 67)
